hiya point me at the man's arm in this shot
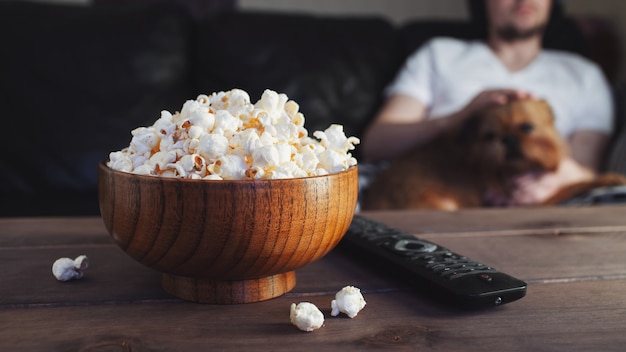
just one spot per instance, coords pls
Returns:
(399, 125)
(402, 123)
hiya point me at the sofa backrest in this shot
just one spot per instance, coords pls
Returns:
(74, 81)
(77, 79)
(335, 68)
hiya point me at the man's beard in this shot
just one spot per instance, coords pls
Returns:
(512, 34)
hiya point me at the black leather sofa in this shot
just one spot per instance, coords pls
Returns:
(75, 80)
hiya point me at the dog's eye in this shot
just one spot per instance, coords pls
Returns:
(526, 127)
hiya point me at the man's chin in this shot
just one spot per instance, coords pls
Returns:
(512, 33)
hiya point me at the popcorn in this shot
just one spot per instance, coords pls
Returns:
(223, 136)
(334, 139)
(229, 167)
(212, 146)
(306, 316)
(121, 161)
(144, 140)
(65, 269)
(349, 301)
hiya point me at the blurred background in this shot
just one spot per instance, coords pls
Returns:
(79, 75)
(603, 20)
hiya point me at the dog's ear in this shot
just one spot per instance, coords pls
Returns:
(468, 129)
(545, 105)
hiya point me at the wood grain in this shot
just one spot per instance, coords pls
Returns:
(591, 319)
(575, 300)
(482, 222)
(216, 240)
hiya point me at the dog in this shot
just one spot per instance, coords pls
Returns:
(476, 162)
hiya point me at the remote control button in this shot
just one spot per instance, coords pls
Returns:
(412, 246)
(437, 267)
(449, 273)
(457, 274)
(458, 266)
(453, 271)
(485, 277)
(474, 265)
(437, 255)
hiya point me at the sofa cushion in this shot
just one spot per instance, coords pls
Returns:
(334, 67)
(75, 81)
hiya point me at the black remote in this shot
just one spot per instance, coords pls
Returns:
(447, 275)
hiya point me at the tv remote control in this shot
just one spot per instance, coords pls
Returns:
(447, 275)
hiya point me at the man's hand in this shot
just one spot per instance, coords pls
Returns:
(495, 97)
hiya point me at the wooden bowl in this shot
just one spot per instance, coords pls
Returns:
(226, 242)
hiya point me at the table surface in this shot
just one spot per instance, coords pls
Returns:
(572, 259)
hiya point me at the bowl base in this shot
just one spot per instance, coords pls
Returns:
(229, 292)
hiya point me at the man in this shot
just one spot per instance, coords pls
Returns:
(447, 80)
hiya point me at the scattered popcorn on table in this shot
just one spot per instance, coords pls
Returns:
(223, 136)
(65, 269)
(306, 316)
(349, 301)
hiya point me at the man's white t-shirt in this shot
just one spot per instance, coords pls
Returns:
(446, 74)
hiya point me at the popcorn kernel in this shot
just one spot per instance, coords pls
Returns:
(266, 139)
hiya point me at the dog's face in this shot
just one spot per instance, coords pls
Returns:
(515, 138)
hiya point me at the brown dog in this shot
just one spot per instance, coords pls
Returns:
(479, 158)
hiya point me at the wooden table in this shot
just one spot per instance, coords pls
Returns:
(574, 260)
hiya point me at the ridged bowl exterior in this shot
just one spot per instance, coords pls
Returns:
(226, 230)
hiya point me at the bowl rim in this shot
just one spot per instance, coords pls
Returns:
(103, 164)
